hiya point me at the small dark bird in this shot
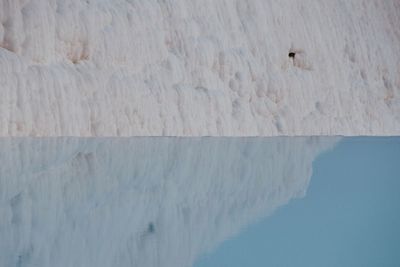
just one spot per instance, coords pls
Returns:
(292, 54)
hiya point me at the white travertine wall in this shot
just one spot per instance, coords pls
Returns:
(143, 201)
(193, 68)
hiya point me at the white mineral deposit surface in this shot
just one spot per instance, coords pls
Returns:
(195, 68)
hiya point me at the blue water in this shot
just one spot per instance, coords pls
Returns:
(181, 202)
(350, 215)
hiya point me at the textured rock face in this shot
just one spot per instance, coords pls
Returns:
(141, 201)
(210, 67)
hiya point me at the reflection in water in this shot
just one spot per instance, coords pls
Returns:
(141, 201)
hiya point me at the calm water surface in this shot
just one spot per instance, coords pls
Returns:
(310, 201)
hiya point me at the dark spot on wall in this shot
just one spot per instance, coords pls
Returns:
(292, 54)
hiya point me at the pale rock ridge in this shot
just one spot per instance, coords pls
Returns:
(191, 68)
(142, 201)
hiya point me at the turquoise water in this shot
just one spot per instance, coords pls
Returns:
(350, 215)
(306, 201)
